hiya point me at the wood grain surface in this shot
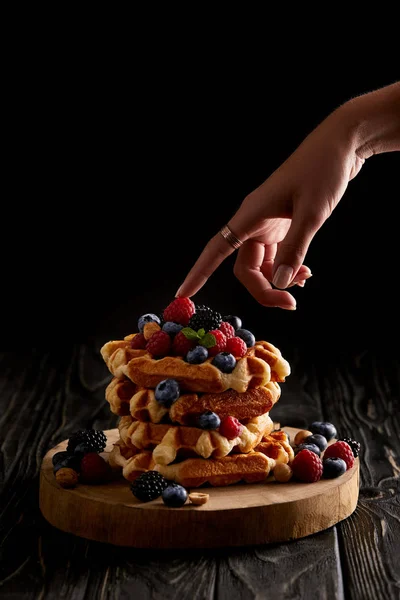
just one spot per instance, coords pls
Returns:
(44, 397)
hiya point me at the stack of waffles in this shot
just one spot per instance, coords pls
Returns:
(168, 439)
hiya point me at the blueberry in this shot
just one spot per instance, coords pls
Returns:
(82, 449)
(69, 462)
(328, 430)
(317, 439)
(171, 328)
(59, 456)
(174, 495)
(208, 420)
(246, 336)
(234, 321)
(197, 355)
(312, 447)
(147, 318)
(167, 392)
(224, 361)
(333, 467)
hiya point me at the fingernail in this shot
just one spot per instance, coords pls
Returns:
(288, 306)
(178, 293)
(283, 276)
(301, 283)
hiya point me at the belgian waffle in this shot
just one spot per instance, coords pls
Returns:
(132, 464)
(276, 445)
(125, 398)
(170, 441)
(251, 371)
(194, 472)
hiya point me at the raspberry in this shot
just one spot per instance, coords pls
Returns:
(179, 311)
(227, 329)
(220, 339)
(181, 345)
(340, 450)
(307, 466)
(94, 469)
(236, 346)
(159, 344)
(138, 342)
(354, 445)
(230, 428)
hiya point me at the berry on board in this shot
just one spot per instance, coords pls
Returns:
(354, 445)
(317, 439)
(95, 439)
(340, 450)
(328, 430)
(148, 486)
(307, 466)
(174, 495)
(312, 447)
(334, 467)
(94, 469)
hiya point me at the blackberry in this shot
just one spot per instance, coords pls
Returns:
(148, 486)
(354, 445)
(205, 318)
(93, 439)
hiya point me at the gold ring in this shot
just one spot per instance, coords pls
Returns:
(230, 237)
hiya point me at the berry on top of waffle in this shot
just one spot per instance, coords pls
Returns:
(198, 347)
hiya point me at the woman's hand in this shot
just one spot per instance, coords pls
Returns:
(278, 220)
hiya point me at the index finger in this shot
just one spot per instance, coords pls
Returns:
(214, 253)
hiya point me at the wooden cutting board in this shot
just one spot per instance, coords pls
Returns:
(236, 515)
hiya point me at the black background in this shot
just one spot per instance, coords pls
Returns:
(119, 178)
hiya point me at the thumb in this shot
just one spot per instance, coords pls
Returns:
(293, 249)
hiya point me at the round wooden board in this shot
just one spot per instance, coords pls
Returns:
(236, 515)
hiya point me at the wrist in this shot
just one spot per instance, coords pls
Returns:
(372, 122)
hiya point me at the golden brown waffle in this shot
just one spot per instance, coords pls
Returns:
(280, 368)
(170, 441)
(251, 371)
(119, 393)
(194, 472)
(126, 397)
(132, 465)
(244, 406)
(276, 445)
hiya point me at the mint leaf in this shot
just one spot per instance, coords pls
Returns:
(208, 341)
(190, 333)
(201, 333)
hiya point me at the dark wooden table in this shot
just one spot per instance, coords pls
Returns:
(47, 395)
